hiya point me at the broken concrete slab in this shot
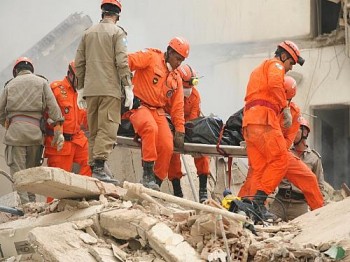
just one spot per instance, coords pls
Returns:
(14, 234)
(10, 200)
(169, 245)
(60, 243)
(57, 183)
(102, 254)
(327, 221)
(122, 223)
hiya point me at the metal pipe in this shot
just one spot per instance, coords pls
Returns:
(138, 189)
(11, 210)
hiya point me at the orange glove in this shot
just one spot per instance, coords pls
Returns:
(58, 138)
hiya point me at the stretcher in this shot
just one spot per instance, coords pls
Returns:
(192, 149)
(195, 150)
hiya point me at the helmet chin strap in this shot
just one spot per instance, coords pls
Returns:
(168, 65)
(303, 137)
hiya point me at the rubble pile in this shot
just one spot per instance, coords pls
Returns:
(134, 225)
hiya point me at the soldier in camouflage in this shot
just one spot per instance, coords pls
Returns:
(23, 103)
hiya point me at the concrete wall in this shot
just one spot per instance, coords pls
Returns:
(222, 21)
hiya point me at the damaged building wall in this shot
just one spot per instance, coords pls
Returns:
(208, 22)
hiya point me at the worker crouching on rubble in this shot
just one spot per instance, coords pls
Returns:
(102, 71)
(265, 100)
(155, 83)
(292, 197)
(75, 149)
(22, 105)
(191, 110)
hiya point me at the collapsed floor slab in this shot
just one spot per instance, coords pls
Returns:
(57, 183)
(330, 223)
(14, 234)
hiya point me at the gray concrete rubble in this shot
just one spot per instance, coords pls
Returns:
(87, 224)
(57, 183)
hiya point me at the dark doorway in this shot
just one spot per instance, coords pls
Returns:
(329, 16)
(332, 140)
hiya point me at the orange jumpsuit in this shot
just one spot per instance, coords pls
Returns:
(249, 187)
(266, 146)
(192, 111)
(154, 85)
(75, 149)
(297, 171)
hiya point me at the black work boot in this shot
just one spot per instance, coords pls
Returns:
(260, 198)
(149, 177)
(203, 195)
(98, 171)
(177, 187)
(158, 181)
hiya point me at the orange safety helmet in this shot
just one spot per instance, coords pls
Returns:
(290, 85)
(188, 75)
(293, 50)
(305, 123)
(71, 75)
(180, 45)
(24, 60)
(112, 2)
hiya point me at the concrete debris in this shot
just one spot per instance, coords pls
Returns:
(145, 228)
(57, 183)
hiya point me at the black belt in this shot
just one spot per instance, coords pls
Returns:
(290, 194)
(67, 137)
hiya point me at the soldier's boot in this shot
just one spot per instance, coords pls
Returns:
(158, 181)
(149, 177)
(203, 194)
(98, 171)
(260, 198)
(177, 187)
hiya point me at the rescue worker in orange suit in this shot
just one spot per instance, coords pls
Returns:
(103, 73)
(265, 100)
(75, 149)
(191, 110)
(296, 169)
(156, 82)
(249, 187)
(291, 196)
(23, 102)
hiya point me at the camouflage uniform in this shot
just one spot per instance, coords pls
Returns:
(22, 105)
(102, 68)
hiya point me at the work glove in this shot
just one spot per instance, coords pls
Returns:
(58, 138)
(179, 140)
(129, 96)
(80, 100)
(287, 117)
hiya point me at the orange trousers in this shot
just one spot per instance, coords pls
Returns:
(202, 166)
(267, 155)
(157, 140)
(77, 155)
(298, 174)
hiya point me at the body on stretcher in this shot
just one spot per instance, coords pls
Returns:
(191, 148)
